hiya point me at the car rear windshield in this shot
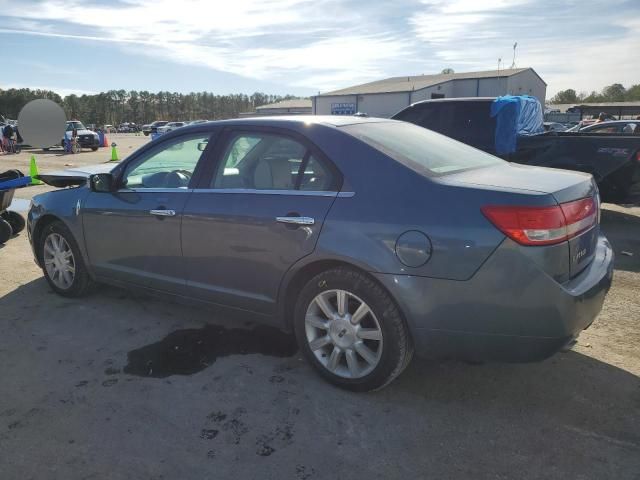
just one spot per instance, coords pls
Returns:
(420, 149)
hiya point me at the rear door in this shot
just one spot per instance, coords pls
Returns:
(133, 234)
(258, 212)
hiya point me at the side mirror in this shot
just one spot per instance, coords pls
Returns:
(102, 182)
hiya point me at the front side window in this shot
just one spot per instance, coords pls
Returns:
(171, 167)
(261, 161)
(420, 149)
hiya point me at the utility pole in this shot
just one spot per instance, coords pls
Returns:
(499, 60)
(513, 64)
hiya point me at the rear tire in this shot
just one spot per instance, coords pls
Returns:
(373, 348)
(94, 149)
(6, 232)
(14, 219)
(59, 252)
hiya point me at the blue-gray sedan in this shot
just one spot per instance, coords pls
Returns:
(368, 238)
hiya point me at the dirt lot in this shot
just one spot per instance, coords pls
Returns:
(77, 400)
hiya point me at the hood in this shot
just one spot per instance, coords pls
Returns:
(74, 176)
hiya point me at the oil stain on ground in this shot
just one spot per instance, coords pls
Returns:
(185, 352)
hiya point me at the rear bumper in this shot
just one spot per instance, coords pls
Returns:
(509, 310)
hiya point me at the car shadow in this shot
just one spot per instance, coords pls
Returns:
(571, 384)
(623, 231)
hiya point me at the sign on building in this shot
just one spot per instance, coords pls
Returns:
(343, 109)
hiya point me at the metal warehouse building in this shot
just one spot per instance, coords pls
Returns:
(384, 98)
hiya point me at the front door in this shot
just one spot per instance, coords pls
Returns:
(133, 234)
(260, 212)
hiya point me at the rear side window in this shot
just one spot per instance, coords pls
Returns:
(420, 149)
(261, 161)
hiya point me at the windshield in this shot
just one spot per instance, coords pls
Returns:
(76, 125)
(420, 149)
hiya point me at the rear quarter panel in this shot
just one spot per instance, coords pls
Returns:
(389, 199)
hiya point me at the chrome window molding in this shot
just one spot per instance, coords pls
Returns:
(155, 190)
(302, 193)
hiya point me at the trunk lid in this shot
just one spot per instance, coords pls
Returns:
(560, 186)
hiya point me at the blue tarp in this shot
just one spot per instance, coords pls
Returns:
(515, 116)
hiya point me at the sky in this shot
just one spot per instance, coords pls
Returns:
(303, 47)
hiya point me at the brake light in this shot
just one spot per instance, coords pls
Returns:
(543, 225)
(638, 155)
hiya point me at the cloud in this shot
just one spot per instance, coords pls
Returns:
(62, 91)
(321, 45)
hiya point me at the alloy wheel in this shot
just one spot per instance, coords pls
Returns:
(343, 333)
(59, 261)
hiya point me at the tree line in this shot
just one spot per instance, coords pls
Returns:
(118, 106)
(612, 93)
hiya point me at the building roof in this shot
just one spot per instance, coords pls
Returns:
(295, 103)
(418, 82)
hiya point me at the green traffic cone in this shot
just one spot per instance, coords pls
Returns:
(114, 153)
(33, 171)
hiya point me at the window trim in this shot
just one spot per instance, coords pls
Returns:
(227, 134)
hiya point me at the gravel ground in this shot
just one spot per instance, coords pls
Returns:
(78, 399)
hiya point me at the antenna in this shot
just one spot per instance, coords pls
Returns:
(499, 61)
(513, 64)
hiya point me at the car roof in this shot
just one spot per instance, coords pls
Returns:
(290, 120)
(614, 122)
(455, 99)
(593, 126)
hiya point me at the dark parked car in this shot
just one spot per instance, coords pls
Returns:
(153, 127)
(366, 237)
(614, 161)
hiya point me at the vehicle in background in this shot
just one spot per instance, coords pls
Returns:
(554, 127)
(613, 160)
(153, 127)
(85, 138)
(612, 127)
(367, 238)
(581, 124)
(108, 128)
(170, 126)
(196, 122)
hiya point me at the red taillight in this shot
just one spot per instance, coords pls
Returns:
(638, 154)
(543, 225)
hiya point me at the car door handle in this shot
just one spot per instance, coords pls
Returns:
(163, 213)
(296, 220)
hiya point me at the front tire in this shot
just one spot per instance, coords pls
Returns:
(62, 262)
(351, 331)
